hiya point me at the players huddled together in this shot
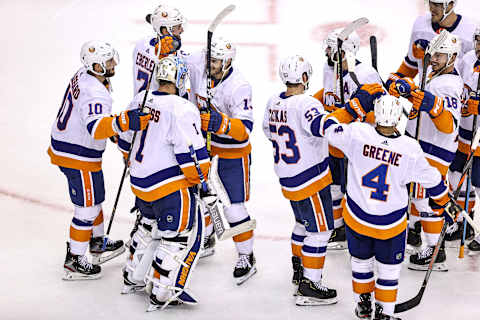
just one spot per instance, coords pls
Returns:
(355, 180)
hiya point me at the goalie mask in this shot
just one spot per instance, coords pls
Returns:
(168, 17)
(388, 110)
(292, 69)
(172, 69)
(98, 52)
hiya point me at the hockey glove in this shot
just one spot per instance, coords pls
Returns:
(362, 100)
(405, 86)
(451, 212)
(425, 101)
(216, 122)
(390, 84)
(419, 47)
(132, 120)
(168, 44)
(472, 103)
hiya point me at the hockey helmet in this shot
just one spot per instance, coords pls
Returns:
(387, 110)
(98, 52)
(291, 70)
(166, 16)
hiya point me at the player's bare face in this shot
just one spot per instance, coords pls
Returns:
(177, 31)
(216, 68)
(439, 61)
(436, 9)
(110, 64)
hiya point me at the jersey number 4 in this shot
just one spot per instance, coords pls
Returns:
(290, 144)
(376, 179)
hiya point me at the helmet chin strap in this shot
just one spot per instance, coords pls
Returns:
(445, 13)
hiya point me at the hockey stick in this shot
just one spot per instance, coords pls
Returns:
(415, 301)
(474, 129)
(211, 28)
(125, 168)
(222, 198)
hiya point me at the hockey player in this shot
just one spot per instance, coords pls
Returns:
(441, 16)
(78, 140)
(230, 122)
(470, 72)
(163, 178)
(329, 96)
(301, 163)
(381, 163)
(167, 22)
(439, 107)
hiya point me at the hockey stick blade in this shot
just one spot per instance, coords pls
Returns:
(225, 12)
(352, 27)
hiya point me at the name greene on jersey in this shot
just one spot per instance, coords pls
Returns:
(145, 62)
(381, 154)
(278, 115)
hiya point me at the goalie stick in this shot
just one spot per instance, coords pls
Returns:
(415, 301)
(211, 28)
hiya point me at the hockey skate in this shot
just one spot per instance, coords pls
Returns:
(245, 268)
(474, 247)
(113, 249)
(77, 267)
(414, 235)
(131, 286)
(379, 315)
(338, 240)
(208, 246)
(364, 307)
(455, 232)
(155, 304)
(314, 294)
(421, 260)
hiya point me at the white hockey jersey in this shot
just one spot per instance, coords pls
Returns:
(379, 169)
(440, 147)
(160, 161)
(470, 71)
(144, 60)
(232, 96)
(330, 94)
(301, 159)
(85, 101)
(463, 28)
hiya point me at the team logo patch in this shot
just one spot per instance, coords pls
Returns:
(338, 129)
(169, 219)
(91, 49)
(229, 46)
(164, 14)
(399, 256)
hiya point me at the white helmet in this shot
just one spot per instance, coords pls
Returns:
(351, 44)
(172, 69)
(445, 6)
(223, 49)
(291, 70)
(166, 16)
(447, 43)
(388, 110)
(97, 52)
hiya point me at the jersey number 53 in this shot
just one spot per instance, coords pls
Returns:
(287, 151)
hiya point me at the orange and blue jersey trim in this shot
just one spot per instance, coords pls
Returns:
(464, 140)
(438, 157)
(74, 156)
(229, 148)
(376, 226)
(307, 183)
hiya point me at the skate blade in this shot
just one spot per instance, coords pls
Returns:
(436, 267)
(342, 245)
(207, 253)
(131, 289)
(241, 280)
(99, 258)
(74, 276)
(310, 301)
